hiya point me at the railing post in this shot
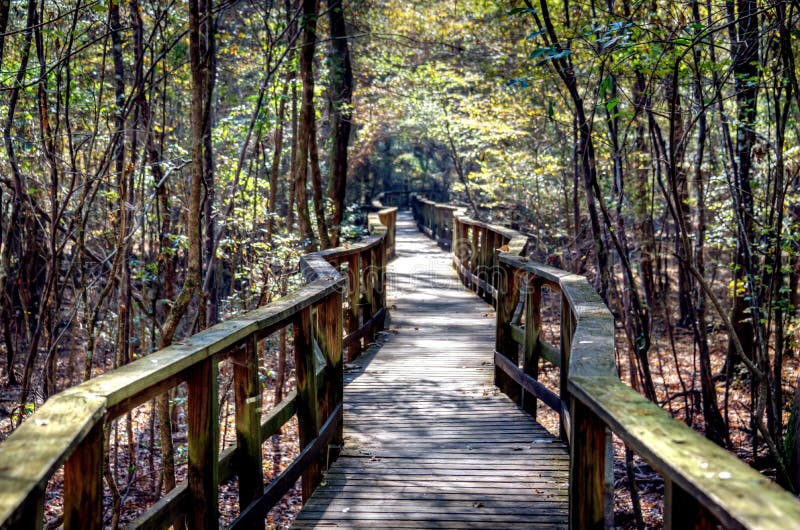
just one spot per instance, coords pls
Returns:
(368, 286)
(682, 511)
(507, 296)
(590, 471)
(203, 442)
(494, 263)
(392, 227)
(474, 260)
(329, 338)
(480, 272)
(447, 216)
(460, 248)
(380, 283)
(247, 395)
(353, 299)
(533, 329)
(83, 485)
(307, 404)
(567, 330)
(389, 220)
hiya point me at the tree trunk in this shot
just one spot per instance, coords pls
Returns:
(341, 93)
(305, 125)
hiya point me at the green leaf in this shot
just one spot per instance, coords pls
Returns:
(535, 34)
(521, 10)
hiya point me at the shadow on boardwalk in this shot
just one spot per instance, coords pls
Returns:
(429, 442)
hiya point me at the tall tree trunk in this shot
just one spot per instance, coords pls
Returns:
(277, 156)
(305, 125)
(744, 37)
(208, 40)
(316, 188)
(191, 282)
(341, 93)
(17, 185)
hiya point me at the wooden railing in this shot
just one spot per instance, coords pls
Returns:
(434, 219)
(704, 484)
(386, 218)
(68, 429)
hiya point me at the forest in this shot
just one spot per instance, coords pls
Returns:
(165, 163)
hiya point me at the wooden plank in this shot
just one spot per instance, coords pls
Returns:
(423, 525)
(531, 350)
(30, 515)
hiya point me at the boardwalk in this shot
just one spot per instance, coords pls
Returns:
(429, 442)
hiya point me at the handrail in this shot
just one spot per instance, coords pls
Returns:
(68, 429)
(434, 219)
(705, 485)
(385, 219)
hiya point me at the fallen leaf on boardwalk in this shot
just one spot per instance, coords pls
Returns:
(477, 505)
(416, 328)
(504, 248)
(345, 510)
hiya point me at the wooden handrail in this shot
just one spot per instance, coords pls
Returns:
(68, 429)
(705, 485)
(435, 219)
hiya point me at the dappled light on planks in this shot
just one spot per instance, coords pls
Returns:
(429, 441)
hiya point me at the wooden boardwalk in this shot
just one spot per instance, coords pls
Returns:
(429, 441)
